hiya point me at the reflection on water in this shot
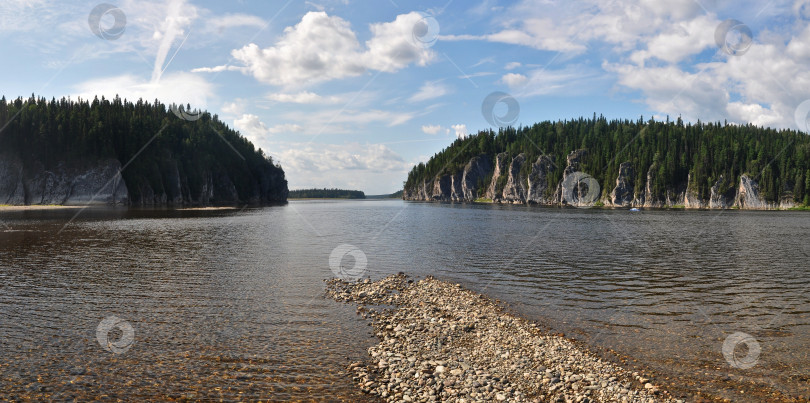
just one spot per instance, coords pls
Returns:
(229, 303)
(220, 305)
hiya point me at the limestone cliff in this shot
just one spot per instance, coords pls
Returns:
(623, 194)
(538, 191)
(102, 183)
(493, 192)
(475, 172)
(510, 183)
(515, 189)
(67, 184)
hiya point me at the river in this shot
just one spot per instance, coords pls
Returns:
(229, 304)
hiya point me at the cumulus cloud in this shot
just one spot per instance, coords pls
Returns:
(431, 129)
(461, 130)
(514, 79)
(322, 48)
(666, 52)
(251, 127)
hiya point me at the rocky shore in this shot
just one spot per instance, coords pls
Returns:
(440, 342)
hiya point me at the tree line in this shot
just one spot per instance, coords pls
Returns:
(326, 194)
(145, 135)
(699, 153)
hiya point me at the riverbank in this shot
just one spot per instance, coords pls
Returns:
(440, 342)
(6, 207)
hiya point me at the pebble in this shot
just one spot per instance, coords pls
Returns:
(441, 342)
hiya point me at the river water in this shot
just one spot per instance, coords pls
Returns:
(229, 304)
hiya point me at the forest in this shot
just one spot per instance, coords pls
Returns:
(148, 139)
(700, 153)
(326, 194)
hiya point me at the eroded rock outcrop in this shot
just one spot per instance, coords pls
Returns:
(515, 189)
(577, 188)
(475, 172)
(538, 191)
(456, 188)
(68, 184)
(510, 183)
(493, 193)
(719, 199)
(623, 194)
(441, 188)
(101, 182)
(748, 196)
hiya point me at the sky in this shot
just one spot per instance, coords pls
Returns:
(353, 93)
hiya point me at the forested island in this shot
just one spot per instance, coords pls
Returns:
(326, 194)
(622, 163)
(112, 151)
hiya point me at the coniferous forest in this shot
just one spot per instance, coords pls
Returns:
(156, 147)
(327, 194)
(699, 153)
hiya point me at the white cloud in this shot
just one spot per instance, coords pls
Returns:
(179, 88)
(251, 127)
(659, 50)
(431, 129)
(255, 130)
(323, 48)
(286, 128)
(313, 158)
(392, 46)
(236, 20)
(461, 130)
(429, 90)
(373, 168)
(512, 65)
(336, 120)
(304, 97)
(514, 80)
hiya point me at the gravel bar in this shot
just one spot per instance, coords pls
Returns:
(440, 342)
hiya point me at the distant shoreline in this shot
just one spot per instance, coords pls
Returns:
(606, 207)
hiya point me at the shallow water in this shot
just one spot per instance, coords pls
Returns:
(230, 303)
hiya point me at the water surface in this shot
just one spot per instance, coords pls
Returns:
(229, 304)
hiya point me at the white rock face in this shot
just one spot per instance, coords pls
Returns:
(99, 183)
(500, 169)
(622, 194)
(474, 172)
(515, 189)
(538, 181)
(748, 195)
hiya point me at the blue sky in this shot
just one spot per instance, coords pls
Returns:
(351, 93)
